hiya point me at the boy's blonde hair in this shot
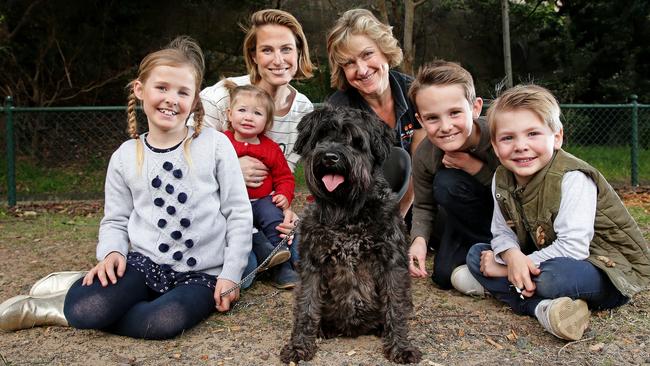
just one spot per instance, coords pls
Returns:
(260, 95)
(534, 98)
(182, 51)
(442, 73)
(358, 22)
(276, 17)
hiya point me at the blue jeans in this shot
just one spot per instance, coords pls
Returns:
(559, 277)
(266, 217)
(468, 206)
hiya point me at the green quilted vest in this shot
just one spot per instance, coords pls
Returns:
(618, 247)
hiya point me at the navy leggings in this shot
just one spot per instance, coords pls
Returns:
(132, 309)
(468, 206)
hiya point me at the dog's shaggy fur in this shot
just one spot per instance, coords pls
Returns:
(353, 252)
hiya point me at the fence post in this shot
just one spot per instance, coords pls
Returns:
(11, 156)
(634, 156)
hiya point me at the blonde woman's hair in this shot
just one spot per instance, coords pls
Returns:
(358, 22)
(534, 98)
(182, 51)
(276, 17)
(443, 73)
(260, 95)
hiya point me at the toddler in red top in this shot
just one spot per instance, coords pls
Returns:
(249, 116)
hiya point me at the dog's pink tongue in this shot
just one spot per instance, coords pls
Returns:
(332, 181)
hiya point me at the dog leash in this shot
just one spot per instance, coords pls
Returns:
(265, 261)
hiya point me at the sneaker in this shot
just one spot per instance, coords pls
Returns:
(284, 277)
(563, 317)
(463, 281)
(281, 256)
(55, 282)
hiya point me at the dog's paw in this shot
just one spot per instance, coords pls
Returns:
(295, 353)
(407, 354)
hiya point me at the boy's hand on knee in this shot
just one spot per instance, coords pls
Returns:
(490, 267)
(223, 302)
(105, 270)
(417, 258)
(520, 269)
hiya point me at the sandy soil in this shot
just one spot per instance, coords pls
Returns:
(449, 328)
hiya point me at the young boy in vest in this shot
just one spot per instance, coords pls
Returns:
(563, 241)
(452, 170)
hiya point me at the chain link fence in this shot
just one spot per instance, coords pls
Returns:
(62, 153)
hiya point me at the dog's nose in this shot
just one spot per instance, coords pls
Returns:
(330, 159)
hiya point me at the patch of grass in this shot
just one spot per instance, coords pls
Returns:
(614, 162)
(33, 179)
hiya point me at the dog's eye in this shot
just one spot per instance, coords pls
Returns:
(359, 143)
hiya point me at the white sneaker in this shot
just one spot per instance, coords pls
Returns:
(55, 283)
(463, 281)
(563, 317)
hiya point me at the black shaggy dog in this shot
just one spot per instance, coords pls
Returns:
(354, 276)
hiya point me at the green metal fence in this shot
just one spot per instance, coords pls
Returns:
(62, 153)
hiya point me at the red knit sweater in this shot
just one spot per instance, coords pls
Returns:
(280, 179)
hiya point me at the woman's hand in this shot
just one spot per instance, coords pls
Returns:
(281, 201)
(490, 267)
(105, 270)
(289, 223)
(223, 302)
(253, 170)
(417, 258)
(520, 269)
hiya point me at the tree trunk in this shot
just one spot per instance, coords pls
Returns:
(409, 45)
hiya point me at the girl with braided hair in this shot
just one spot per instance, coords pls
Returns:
(177, 219)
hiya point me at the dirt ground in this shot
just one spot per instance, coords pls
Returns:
(449, 328)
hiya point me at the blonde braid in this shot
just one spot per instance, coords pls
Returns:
(199, 112)
(132, 122)
(132, 127)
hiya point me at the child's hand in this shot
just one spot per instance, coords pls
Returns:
(281, 201)
(223, 303)
(418, 253)
(106, 268)
(490, 267)
(520, 267)
(288, 224)
(463, 161)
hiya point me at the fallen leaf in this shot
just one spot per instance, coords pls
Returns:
(351, 353)
(597, 347)
(461, 332)
(495, 344)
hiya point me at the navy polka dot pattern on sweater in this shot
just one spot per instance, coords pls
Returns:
(169, 180)
(156, 182)
(161, 278)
